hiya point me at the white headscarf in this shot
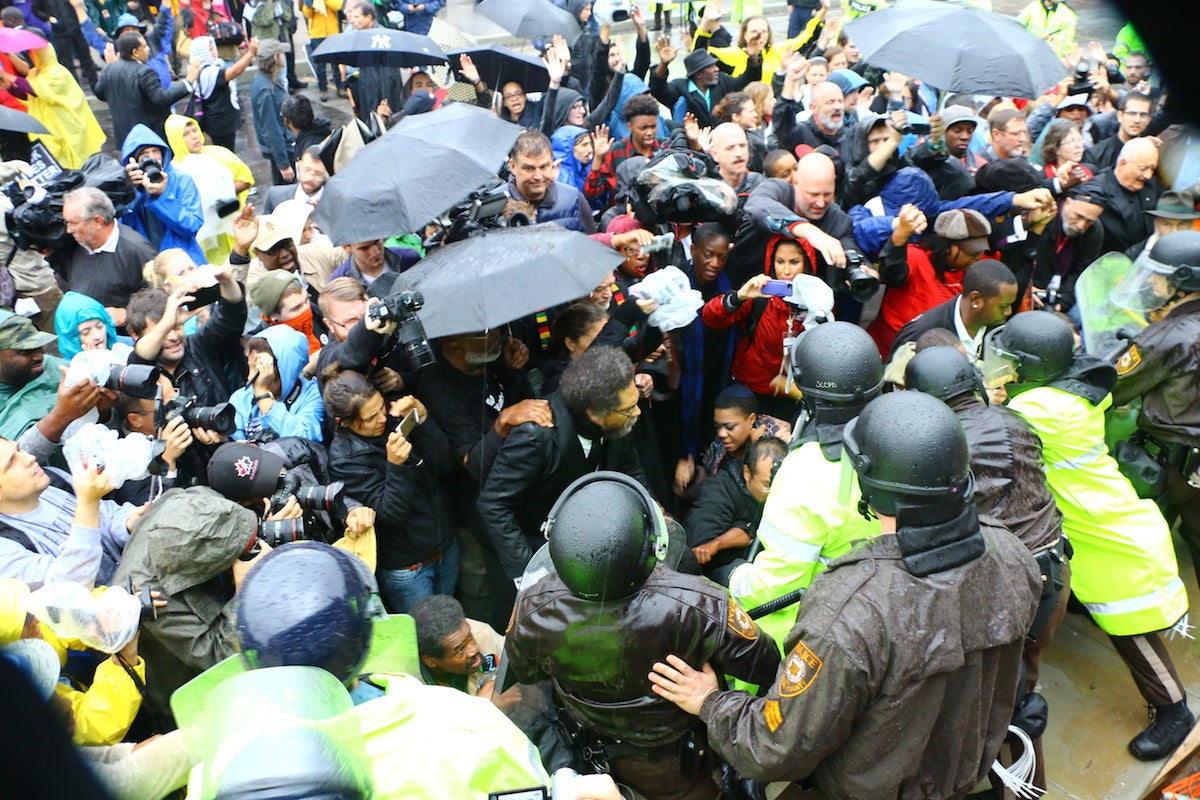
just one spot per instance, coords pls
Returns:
(210, 67)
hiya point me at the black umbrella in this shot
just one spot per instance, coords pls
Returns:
(414, 172)
(486, 281)
(379, 47)
(531, 19)
(498, 65)
(957, 48)
(19, 121)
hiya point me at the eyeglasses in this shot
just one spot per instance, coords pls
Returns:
(512, 95)
(626, 412)
(1021, 134)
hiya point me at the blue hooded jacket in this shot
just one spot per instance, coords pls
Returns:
(912, 185)
(74, 309)
(173, 218)
(570, 171)
(306, 413)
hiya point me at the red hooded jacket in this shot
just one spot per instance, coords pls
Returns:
(757, 358)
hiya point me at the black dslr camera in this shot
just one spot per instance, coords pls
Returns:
(402, 308)
(221, 418)
(152, 168)
(314, 500)
(1082, 75)
(854, 277)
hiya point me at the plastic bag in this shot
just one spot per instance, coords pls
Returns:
(124, 459)
(106, 621)
(678, 303)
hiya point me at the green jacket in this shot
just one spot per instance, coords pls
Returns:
(1124, 567)
(21, 408)
(809, 520)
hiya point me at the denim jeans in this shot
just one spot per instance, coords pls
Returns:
(319, 67)
(797, 20)
(403, 587)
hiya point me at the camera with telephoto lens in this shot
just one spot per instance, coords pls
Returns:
(1082, 75)
(276, 532)
(135, 380)
(402, 308)
(152, 168)
(329, 498)
(221, 418)
(855, 277)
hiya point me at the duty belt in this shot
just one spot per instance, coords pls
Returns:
(1050, 563)
(598, 751)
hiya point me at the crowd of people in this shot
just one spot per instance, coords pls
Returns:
(818, 530)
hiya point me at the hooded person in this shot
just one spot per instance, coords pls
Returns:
(59, 104)
(277, 400)
(169, 216)
(214, 98)
(83, 324)
(188, 547)
(572, 170)
(760, 357)
(186, 139)
(215, 183)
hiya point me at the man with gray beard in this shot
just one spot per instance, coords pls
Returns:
(826, 126)
(593, 411)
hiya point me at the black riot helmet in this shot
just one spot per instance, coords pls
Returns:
(308, 604)
(1033, 347)
(1179, 254)
(943, 372)
(606, 534)
(837, 363)
(909, 449)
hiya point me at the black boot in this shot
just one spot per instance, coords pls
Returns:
(658, 12)
(1170, 727)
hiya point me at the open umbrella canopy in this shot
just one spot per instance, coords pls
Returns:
(498, 65)
(19, 121)
(14, 40)
(379, 47)
(957, 48)
(414, 172)
(531, 19)
(486, 281)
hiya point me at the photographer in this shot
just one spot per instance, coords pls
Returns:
(136, 415)
(278, 400)
(59, 529)
(361, 342)
(399, 474)
(207, 365)
(168, 210)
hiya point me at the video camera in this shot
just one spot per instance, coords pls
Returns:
(402, 308)
(1050, 295)
(36, 221)
(482, 211)
(221, 418)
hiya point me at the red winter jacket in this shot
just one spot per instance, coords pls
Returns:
(921, 292)
(757, 358)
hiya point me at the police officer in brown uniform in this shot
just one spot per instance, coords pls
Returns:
(904, 662)
(597, 622)
(1161, 368)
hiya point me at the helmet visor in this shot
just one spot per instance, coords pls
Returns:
(1112, 304)
(1146, 287)
(999, 365)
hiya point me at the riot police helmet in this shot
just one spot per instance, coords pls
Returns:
(606, 534)
(1033, 347)
(1178, 254)
(909, 448)
(943, 372)
(308, 604)
(837, 363)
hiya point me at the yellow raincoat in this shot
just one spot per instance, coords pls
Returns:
(60, 105)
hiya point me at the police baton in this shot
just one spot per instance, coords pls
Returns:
(771, 606)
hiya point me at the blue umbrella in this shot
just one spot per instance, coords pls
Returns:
(957, 48)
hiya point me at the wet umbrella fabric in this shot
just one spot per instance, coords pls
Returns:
(379, 47)
(498, 65)
(531, 19)
(19, 121)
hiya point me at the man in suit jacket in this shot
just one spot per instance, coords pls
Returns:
(594, 409)
(989, 292)
(1129, 190)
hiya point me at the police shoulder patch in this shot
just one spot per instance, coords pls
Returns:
(1129, 361)
(772, 715)
(740, 623)
(800, 670)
